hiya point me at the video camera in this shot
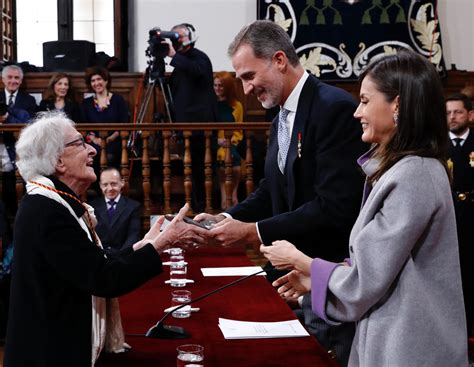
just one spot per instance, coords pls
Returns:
(156, 45)
(158, 49)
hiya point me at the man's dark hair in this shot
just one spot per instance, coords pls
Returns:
(461, 97)
(265, 38)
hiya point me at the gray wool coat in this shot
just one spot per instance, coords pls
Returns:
(403, 287)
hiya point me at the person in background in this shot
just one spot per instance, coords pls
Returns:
(191, 87)
(61, 306)
(18, 108)
(402, 282)
(118, 217)
(21, 106)
(59, 96)
(461, 162)
(229, 109)
(104, 107)
(311, 192)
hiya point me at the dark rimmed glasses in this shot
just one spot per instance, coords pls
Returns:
(76, 142)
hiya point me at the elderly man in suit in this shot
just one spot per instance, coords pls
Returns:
(118, 217)
(312, 187)
(19, 107)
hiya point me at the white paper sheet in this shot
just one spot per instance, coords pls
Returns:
(233, 329)
(231, 271)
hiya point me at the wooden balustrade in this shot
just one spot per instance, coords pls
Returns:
(167, 134)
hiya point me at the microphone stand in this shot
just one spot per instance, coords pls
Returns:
(162, 331)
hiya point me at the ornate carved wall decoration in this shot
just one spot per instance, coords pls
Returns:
(336, 39)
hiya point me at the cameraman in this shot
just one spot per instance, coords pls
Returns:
(191, 85)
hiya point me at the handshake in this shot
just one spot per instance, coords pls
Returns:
(205, 229)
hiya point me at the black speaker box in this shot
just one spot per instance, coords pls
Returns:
(67, 55)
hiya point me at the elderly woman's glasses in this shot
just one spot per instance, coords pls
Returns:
(76, 142)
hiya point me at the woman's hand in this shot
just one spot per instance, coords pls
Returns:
(176, 233)
(293, 285)
(284, 255)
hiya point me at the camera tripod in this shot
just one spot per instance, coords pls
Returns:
(154, 80)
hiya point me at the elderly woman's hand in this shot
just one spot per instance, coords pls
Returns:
(284, 255)
(177, 233)
(293, 285)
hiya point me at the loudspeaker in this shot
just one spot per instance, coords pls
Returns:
(67, 55)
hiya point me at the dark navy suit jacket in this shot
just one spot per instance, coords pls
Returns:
(316, 202)
(124, 229)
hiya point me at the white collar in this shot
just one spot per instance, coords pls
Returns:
(117, 199)
(463, 136)
(291, 103)
(7, 94)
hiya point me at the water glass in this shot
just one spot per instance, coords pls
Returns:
(177, 299)
(175, 251)
(177, 258)
(190, 355)
(178, 271)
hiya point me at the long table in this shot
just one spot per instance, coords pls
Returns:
(252, 300)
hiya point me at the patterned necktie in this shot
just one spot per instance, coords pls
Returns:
(283, 139)
(111, 209)
(10, 100)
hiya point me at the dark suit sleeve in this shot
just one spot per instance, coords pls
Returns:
(257, 206)
(29, 104)
(133, 231)
(68, 250)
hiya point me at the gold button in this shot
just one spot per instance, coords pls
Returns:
(462, 196)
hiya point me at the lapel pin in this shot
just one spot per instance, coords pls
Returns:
(299, 145)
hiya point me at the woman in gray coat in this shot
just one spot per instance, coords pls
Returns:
(402, 282)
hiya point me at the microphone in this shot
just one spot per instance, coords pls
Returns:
(162, 331)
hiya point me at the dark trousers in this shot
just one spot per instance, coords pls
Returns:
(198, 196)
(337, 339)
(465, 229)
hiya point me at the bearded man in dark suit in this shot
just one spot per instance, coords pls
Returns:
(118, 217)
(312, 188)
(461, 161)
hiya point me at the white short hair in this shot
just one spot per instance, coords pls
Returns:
(40, 144)
(7, 68)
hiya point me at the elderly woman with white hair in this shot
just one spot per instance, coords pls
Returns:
(60, 272)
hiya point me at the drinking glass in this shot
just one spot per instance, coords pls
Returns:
(179, 297)
(190, 355)
(178, 271)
